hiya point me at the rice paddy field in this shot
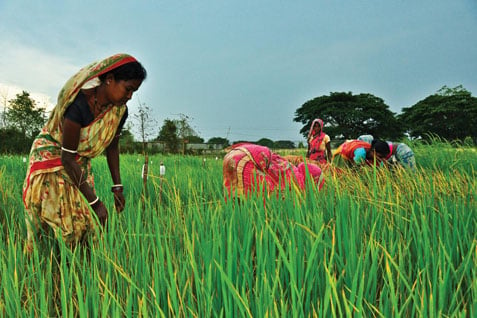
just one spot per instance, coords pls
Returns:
(371, 243)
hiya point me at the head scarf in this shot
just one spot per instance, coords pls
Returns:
(316, 121)
(45, 154)
(86, 77)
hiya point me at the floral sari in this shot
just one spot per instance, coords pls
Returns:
(49, 195)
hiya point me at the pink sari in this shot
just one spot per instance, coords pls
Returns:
(250, 168)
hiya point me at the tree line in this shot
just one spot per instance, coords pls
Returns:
(450, 114)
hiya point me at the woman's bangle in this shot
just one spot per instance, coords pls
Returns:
(68, 150)
(117, 188)
(94, 201)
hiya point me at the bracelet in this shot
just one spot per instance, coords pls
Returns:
(117, 188)
(94, 201)
(68, 150)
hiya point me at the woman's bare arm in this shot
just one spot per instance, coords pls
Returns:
(71, 133)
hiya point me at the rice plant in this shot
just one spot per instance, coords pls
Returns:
(372, 242)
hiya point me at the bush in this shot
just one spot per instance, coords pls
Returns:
(14, 141)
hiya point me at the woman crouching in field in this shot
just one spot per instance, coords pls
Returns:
(250, 168)
(58, 191)
(398, 152)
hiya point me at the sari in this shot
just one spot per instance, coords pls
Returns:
(49, 195)
(253, 169)
(347, 150)
(400, 151)
(317, 143)
(405, 156)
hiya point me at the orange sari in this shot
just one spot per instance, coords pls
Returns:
(49, 196)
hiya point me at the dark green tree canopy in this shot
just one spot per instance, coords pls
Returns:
(192, 139)
(451, 114)
(347, 116)
(284, 144)
(168, 135)
(265, 142)
(13, 141)
(219, 141)
(24, 115)
(126, 142)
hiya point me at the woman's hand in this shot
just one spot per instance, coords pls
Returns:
(101, 212)
(112, 155)
(119, 201)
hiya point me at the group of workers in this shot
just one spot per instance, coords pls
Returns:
(59, 192)
(247, 166)
(363, 150)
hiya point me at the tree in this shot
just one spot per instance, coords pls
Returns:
(185, 132)
(348, 116)
(14, 141)
(194, 140)
(146, 126)
(266, 142)
(23, 115)
(4, 104)
(451, 114)
(284, 144)
(219, 141)
(168, 136)
(126, 142)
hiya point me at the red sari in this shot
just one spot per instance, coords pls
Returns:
(346, 149)
(317, 143)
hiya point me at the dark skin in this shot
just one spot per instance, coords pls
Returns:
(372, 155)
(110, 92)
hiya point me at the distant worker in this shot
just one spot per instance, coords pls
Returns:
(319, 145)
(253, 169)
(398, 152)
(358, 152)
(368, 138)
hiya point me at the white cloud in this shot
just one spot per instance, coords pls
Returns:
(9, 92)
(39, 73)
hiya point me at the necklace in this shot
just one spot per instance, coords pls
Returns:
(97, 111)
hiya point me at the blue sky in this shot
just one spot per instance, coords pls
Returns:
(240, 69)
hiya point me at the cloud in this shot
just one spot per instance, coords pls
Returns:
(40, 73)
(9, 92)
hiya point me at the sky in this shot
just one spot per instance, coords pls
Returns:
(240, 69)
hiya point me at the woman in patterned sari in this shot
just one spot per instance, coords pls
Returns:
(398, 152)
(319, 146)
(58, 191)
(253, 169)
